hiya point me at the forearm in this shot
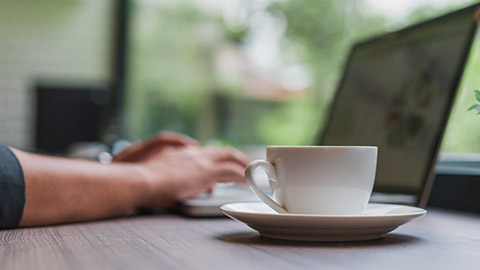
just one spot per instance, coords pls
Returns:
(62, 190)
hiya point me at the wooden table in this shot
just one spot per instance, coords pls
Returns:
(441, 240)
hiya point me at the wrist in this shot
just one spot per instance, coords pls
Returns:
(158, 189)
(143, 182)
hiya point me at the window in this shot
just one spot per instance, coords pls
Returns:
(198, 65)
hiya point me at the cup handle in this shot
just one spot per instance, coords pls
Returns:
(272, 175)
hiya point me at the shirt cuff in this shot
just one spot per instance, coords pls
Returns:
(12, 189)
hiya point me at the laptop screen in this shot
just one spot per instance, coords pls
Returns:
(397, 92)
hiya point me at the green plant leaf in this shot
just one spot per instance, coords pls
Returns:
(473, 107)
(476, 94)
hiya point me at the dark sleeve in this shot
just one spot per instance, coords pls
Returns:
(12, 189)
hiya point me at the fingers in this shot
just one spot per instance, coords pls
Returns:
(131, 153)
(229, 154)
(143, 150)
(229, 171)
(170, 138)
(228, 164)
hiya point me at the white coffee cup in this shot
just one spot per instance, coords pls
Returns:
(323, 180)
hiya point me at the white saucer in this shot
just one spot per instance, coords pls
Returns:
(376, 221)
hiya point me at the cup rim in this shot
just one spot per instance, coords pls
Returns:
(323, 146)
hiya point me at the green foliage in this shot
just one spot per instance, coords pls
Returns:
(463, 127)
(168, 67)
(475, 106)
(476, 95)
(236, 35)
(291, 123)
(172, 77)
(320, 33)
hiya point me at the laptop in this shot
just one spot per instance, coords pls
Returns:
(396, 93)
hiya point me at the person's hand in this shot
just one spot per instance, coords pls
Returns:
(144, 150)
(176, 173)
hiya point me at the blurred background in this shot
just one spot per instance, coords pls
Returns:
(228, 72)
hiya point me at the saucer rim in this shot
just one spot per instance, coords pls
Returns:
(420, 212)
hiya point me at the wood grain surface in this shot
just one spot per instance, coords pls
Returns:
(441, 240)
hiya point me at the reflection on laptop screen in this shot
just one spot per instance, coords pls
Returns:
(397, 92)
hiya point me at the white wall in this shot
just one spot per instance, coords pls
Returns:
(49, 39)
